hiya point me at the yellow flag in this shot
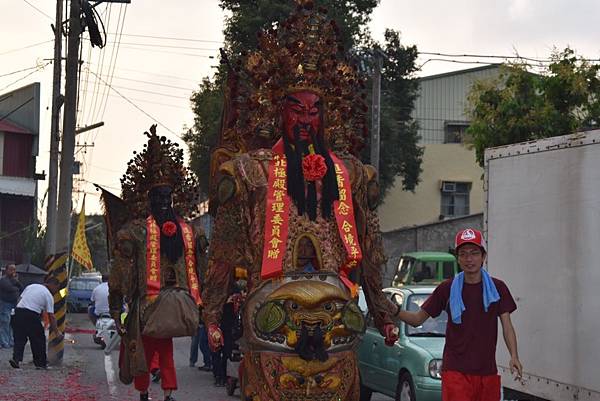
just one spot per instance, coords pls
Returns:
(81, 251)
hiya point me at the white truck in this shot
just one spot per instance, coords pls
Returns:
(542, 220)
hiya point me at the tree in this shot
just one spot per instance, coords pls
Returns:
(400, 155)
(522, 106)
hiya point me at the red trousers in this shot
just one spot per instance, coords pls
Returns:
(163, 349)
(457, 386)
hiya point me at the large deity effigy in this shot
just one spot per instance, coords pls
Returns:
(296, 208)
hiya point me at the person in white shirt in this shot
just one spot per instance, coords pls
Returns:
(27, 322)
(99, 300)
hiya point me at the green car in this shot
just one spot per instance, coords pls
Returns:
(424, 268)
(411, 369)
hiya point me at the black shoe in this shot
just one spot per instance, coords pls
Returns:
(14, 364)
(220, 382)
(156, 376)
(169, 398)
(144, 397)
(205, 368)
(42, 367)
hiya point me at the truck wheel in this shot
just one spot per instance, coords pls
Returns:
(405, 390)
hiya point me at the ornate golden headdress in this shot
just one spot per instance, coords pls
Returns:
(302, 53)
(160, 163)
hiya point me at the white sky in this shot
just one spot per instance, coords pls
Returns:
(531, 27)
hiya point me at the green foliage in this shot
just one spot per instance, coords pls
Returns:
(399, 152)
(521, 106)
(207, 104)
(249, 17)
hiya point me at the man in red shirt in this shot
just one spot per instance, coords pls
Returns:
(474, 301)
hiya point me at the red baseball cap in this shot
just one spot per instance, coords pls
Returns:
(470, 236)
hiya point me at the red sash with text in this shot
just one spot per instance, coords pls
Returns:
(277, 218)
(153, 259)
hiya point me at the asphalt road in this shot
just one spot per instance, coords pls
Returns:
(99, 373)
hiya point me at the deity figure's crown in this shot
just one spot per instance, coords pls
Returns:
(302, 53)
(160, 163)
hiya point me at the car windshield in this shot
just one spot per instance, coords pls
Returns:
(83, 284)
(402, 275)
(432, 327)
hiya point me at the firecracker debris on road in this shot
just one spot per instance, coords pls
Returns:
(87, 374)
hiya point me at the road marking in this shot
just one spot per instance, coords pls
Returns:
(110, 375)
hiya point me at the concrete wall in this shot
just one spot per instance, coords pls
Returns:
(437, 236)
(441, 162)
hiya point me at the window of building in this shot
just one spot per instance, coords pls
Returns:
(455, 199)
(454, 132)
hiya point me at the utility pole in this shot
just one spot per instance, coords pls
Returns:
(376, 110)
(58, 267)
(67, 156)
(54, 133)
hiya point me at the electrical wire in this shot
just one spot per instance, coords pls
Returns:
(138, 107)
(38, 10)
(26, 47)
(26, 76)
(18, 71)
(112, 72)
(173, 38)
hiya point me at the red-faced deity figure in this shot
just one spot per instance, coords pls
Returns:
(302, 114)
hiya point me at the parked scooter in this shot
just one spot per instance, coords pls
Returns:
(106, 333)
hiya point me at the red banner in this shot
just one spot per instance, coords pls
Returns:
(190, 262)
(276, 215)
(277, 219)
(153, 259)
(344, 216)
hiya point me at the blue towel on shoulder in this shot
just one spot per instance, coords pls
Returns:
(457, 307)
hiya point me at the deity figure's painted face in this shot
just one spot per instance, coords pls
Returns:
(302, 114)
(161, 201)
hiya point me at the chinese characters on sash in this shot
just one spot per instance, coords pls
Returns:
(153, 259)
(276, 216)
(344, 216)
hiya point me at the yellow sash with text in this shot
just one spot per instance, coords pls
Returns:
(153, 259)
(277, 219)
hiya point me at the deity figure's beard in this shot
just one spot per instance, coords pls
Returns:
(171, 247)
(305, 198)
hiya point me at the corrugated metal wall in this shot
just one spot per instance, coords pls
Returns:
(443, 98)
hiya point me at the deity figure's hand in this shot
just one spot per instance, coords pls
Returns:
(215, 337)
(391, 333)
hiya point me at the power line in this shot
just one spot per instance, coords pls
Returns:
(129, 47)
(143, 91)
(26, 47)
(155, 83)
(151, 73)
(26, 76)
(38, 10)
(137, 107)
(173, 38)
(112, 73)
(517, 57)
(167, 46)
(18, 71)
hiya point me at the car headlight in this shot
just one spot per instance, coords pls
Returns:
(435, 368)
